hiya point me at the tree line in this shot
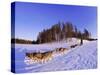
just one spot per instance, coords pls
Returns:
(21, 41)
(60, 31)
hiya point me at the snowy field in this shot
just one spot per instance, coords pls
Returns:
(80, 57)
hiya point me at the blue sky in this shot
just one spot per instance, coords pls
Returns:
(31, 18)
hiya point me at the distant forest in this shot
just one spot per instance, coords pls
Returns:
(59, 31)
(21, 41)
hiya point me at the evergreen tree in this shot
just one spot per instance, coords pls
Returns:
(69, 29)
(86, 34)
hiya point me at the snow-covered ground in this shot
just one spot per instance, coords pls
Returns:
(80, 57)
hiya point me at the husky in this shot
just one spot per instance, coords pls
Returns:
(61, 50)
(73, 46)
(47, 56)
(40, 57)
